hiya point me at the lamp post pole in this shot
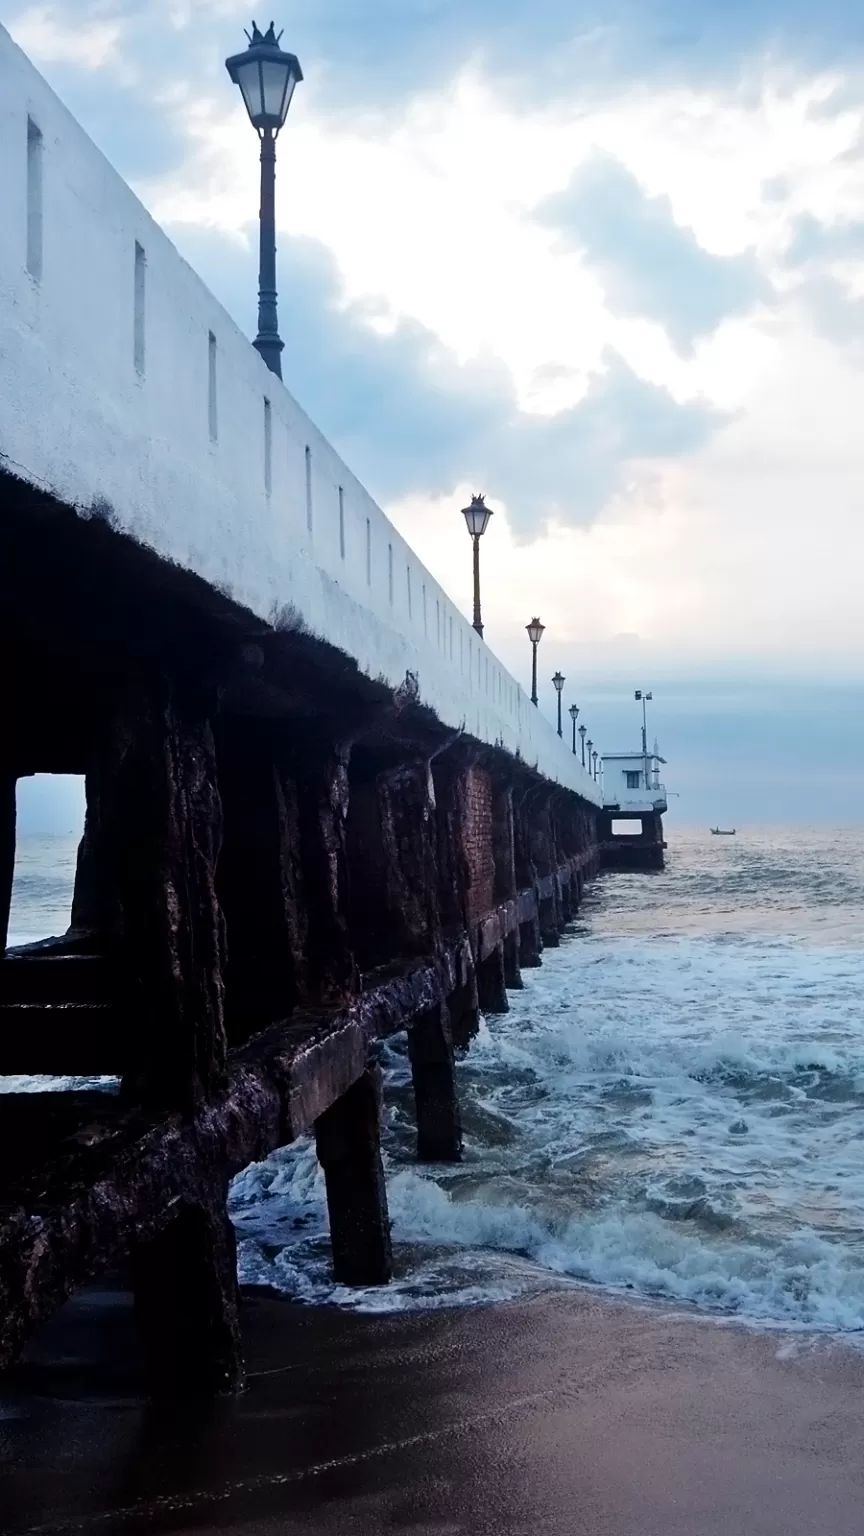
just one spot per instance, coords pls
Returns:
(477, 521)
(582, 733)
(535, 632)
(268, 341)
(573, 713)
(558, 682)
(266, 75)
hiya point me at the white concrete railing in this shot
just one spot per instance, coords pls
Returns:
(122, 380)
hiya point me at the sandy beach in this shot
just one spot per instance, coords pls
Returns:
(570, 1413)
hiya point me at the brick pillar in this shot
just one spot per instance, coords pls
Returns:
(503, 842)
(7, 851)
(348, 1142)
(439, 1126)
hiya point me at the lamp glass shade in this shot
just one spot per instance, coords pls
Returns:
(573, 711)
(477, 516)
(266, 76)
(559, 681)
(535, 630)
(583, 731)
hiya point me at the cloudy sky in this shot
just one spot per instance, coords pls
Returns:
(601, 259)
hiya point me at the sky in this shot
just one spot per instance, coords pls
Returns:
(602, 260)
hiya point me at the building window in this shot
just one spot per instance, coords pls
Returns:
(34, 199)
(268, 446)
(138, 342)
(368, 553)
(309, 490)
(212, 400)
(633, 779)
(341, 523)
(390, 574)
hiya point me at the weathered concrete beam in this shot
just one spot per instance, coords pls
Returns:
(491, 985)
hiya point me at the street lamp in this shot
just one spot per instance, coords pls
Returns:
(535, 630)
(266, 75)
(590, 747)
(558, 683)
(573, 712)
(595, 756)
(477, 521)
(582, 732)
(644, 699)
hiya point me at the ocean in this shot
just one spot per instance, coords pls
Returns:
(671, 1109)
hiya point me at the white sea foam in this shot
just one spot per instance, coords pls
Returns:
(672, 1108)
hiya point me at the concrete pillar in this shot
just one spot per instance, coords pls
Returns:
(530, 944)
(160, 831)
(549, 922)
(464, 1011)
(348, 1142)
(96, 904)
(322, 801)
(391, 845)
(7, 851)
(491, 988)
(186, 1305)
(259, 883)
(439, 1125)
(512, 970)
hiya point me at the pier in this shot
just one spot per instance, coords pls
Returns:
(319, 809)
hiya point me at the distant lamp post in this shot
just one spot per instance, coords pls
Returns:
(477, 521)
(535, 631)
(573, 712)
(644, 699)
(582, 733)
(558, 682)
(266, 75)
(595, 756)
(590, 750)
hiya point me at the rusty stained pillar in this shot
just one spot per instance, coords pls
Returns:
(491, 985)
(391, 843)
(160, 819)
(321, 775)
(348, 1143)
(185, 1285)
(8, 814)
(259, 882)
(439, 1124)
(463, 1002)
(512, 962)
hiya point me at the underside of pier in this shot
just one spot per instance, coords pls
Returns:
(284, 861)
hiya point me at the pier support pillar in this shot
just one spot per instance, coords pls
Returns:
(512, 969)
(548, 919)
(7, 851)
(185, 1282)
(439, 1125)
(464, 1011)
(322, 791)
(491, 987)
(530, 944)
(348, 1142)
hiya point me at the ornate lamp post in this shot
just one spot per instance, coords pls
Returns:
(573, 712)
(590, 749)
(558, 682)
(266, 75)
(582, 733)
(477, 521)
(535, 630)
(595, 756)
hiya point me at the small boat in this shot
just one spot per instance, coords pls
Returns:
(722, 831)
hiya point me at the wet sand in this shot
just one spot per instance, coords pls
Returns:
(563, 1415)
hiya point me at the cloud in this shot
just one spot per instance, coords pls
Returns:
(50, 34)
(648, 264)
(411, 419)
